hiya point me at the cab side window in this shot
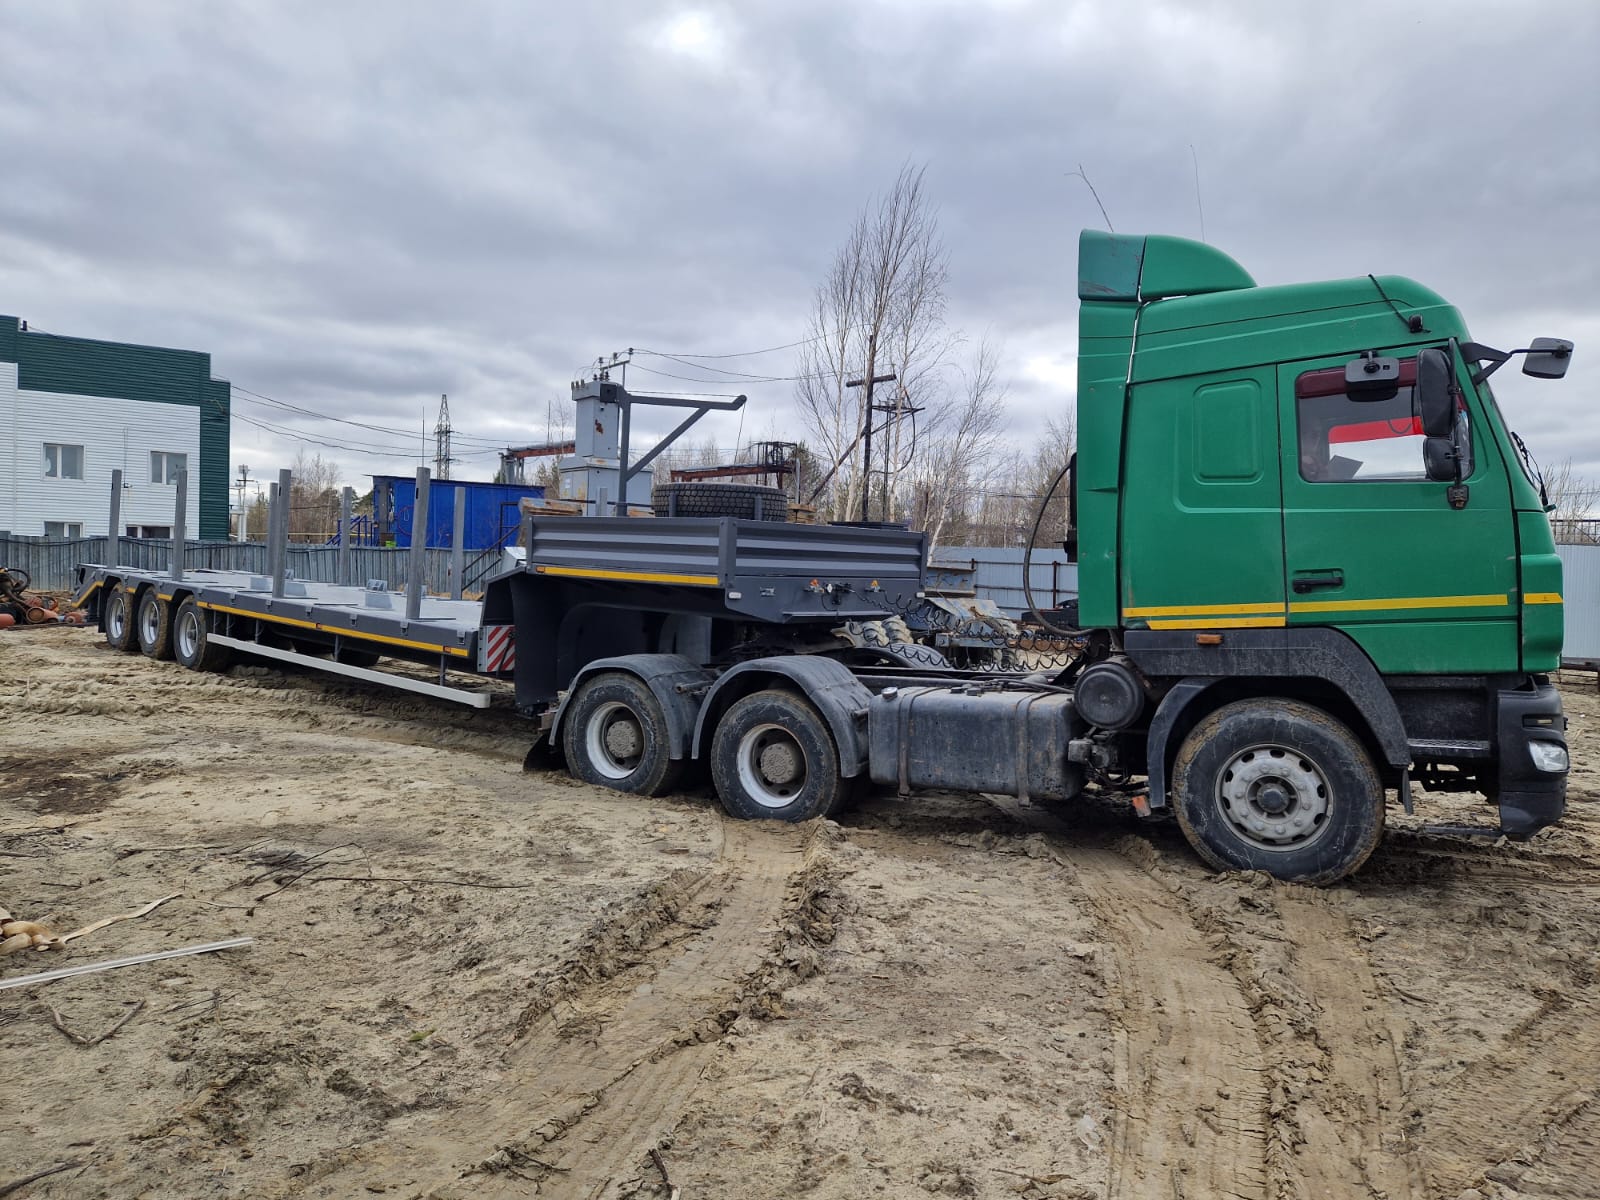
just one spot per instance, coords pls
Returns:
(1363, 436)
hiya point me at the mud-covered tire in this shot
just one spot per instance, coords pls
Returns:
(773, 757)
(117, 619)
(749, 502)
(191, 639)
(153, 620)
(1278, 786)
(614, 734)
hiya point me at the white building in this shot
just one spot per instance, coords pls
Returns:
(72, 410)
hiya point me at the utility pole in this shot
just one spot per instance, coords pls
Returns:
(441, 441)
(866, 449)
(244, 513)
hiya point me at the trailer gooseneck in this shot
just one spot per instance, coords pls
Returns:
(1314, 567)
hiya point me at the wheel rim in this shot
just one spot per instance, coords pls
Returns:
(772, 766)
(1274, 797)
(117, 618)
(615, 740)
(189, 633)
(149, 621)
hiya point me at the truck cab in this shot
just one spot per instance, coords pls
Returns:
(1306, 496)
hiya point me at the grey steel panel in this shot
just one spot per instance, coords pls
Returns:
(1580, 591)
(459, 695)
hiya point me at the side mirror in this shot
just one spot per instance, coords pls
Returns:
(1435, 403)
(1547, 358)
(1439, 459)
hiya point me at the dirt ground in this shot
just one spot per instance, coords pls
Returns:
(472, 981)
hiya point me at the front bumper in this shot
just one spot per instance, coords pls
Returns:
(1530, 798)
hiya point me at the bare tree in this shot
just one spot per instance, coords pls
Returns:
(881, 307)
(313, 499)
(1575, 515)
(1007, 513)
(948, 475)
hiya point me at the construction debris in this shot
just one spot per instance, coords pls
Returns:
(19, 606)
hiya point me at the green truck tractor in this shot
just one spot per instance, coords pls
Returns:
(1318, 560)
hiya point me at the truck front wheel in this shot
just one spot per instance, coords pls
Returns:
(1278, 786)
(773, 757)
(615, 735)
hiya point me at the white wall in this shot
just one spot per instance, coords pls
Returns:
(113, 433)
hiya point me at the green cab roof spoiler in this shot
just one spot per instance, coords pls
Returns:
(1125, 267)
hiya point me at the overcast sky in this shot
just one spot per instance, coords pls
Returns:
(356, 207)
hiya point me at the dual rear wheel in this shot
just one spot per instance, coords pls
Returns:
(772, 755)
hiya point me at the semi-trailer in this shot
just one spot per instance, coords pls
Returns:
(1314, 567)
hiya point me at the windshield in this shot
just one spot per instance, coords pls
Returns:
(1524, 459)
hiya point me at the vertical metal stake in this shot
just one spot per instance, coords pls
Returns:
(346, 500)
(280, 534)
(273, 507)
(419, 546)
(458, 534)
(179, 531)
(114, 530)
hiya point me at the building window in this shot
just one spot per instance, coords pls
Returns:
(150, 531)
(165, 465)
(63, 462)
(63, 529)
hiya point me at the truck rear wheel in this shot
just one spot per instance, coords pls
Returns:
(118, 619)
(191, 644)
(614, 734)
(1281, 787)
(773, 757)
(154, 624)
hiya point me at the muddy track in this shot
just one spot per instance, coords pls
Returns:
(1190, 1065)
(1257, 1058)
(1532, 1100)
(604, 1071)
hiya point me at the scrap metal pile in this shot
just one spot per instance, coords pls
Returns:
(19, 606)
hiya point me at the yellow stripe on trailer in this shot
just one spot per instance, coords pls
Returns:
(85, 594)
(628, 576)
(274, 619)
(1542, 598)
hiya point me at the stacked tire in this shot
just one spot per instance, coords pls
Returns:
(748, 502)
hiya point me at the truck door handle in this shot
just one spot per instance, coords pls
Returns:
(1310, 581)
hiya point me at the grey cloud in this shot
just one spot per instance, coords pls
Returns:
(358, 207)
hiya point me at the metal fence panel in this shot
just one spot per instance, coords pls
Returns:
(997, 574)
(51, 563)
(1580, 590)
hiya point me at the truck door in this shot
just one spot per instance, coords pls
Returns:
(1201, 542)
(1373, 547)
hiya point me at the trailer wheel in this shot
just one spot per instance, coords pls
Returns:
(773, 757)
(154, 624)
(614, 734)
(190, 644)
(1278, 786)
(118, 619)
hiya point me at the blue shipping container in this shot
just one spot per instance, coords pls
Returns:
(492, 512)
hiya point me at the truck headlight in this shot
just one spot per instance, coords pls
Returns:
(1549, 756)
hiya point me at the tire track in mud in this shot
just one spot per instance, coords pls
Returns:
(607, 1068)
(1352, 1113)
(1258, 1058)
(1189, 1062)
(1531, 1100)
